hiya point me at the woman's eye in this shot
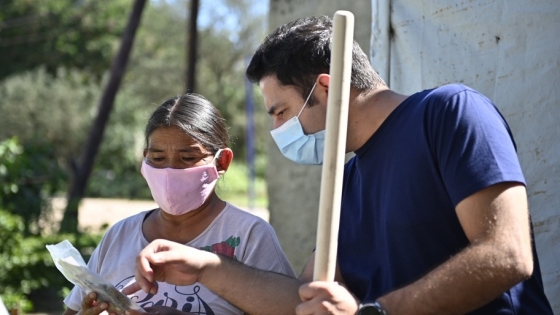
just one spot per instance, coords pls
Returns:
(189, 158)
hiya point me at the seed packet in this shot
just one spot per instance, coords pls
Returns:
(71, 264)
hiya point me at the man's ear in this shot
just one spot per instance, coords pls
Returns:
(323, 81)
(224, 160)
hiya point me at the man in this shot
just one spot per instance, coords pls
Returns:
(434, 216)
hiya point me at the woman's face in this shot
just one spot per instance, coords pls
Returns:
(170, 147)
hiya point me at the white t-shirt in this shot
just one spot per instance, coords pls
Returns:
(234, 233)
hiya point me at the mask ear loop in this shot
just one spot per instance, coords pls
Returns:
(308, 97)
(216, 155)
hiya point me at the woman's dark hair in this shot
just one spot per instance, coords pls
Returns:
(196, 116)
(299, 51)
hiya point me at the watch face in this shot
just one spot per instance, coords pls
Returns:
(371, 309)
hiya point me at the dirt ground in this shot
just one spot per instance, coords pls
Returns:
(94, 213)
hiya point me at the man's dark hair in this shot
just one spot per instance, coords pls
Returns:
(297, 52)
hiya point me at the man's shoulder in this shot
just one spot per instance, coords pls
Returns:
(451, 96)
(447, 91)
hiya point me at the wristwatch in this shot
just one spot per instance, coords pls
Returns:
(371, 309)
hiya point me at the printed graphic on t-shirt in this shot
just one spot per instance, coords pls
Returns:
(189, 300)
(225, 248)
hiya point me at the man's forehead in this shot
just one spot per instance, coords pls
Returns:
(276, 94)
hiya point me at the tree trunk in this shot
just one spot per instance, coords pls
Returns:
(191, 48)
(83, 169)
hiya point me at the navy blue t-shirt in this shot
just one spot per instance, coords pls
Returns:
(398, 219)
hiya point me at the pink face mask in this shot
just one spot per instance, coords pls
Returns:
(178, 191)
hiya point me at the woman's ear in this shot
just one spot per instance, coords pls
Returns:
(224, 160)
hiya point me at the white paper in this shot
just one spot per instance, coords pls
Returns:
(71, 264)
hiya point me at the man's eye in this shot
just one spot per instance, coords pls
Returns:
(280, 113)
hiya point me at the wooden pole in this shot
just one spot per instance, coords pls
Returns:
(335, 146)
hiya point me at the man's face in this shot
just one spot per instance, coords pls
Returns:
(284, 102)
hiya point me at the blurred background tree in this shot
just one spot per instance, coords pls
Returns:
(54, 58)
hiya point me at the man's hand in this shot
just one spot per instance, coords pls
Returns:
(326, 298)
(169, 262)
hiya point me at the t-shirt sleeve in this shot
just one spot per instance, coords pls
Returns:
(264, 252)
(472, 143)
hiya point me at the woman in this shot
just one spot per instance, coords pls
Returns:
(186, 152)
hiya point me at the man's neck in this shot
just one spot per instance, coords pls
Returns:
(367, 112)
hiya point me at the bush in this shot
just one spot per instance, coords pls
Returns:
(27, 265)
(29, 174)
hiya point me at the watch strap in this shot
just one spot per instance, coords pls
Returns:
(373, 308)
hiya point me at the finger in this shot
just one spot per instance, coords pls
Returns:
(151, 310)
(132, 288)
(307, 292)
(89, 300)
(135, 312)
(114, 310)
(305, 308)
(143, 273)
(161, 252)
(96, 310)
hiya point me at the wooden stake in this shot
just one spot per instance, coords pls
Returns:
(335, 146)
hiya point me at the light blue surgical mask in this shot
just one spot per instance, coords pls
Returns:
(295, 144)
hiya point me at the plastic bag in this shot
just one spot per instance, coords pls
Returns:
(71, 264)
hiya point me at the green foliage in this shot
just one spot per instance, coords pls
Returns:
(221, 69)
(27, 265)
(55, 109)
(116, 173)
(60, 33)
(29, 174)
(57, 105)
(234, 187)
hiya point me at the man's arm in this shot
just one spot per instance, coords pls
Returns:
(252, 290)
(496, 222)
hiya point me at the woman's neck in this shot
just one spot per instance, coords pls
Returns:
(182, 228)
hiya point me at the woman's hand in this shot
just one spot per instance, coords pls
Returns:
(90, 306)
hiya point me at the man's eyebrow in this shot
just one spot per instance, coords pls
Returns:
(273, 108)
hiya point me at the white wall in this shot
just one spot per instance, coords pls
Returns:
(510, 51)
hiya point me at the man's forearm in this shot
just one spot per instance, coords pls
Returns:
(471, 279)
(252, 290)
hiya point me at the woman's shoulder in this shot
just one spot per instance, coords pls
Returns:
(235, 218)
(128, 224)
(232, 212)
